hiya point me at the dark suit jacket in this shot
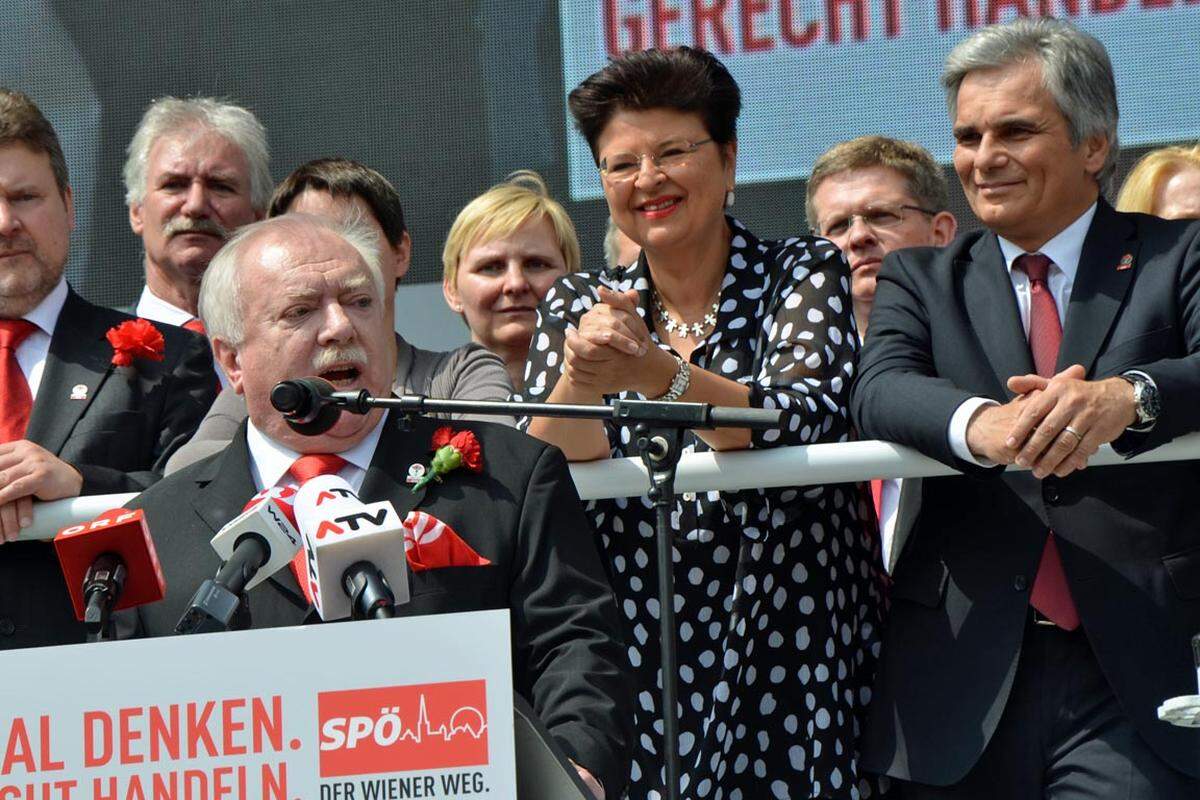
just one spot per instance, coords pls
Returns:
(119, 438)
(521, 512)
(945, 327)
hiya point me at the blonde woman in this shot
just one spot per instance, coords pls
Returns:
(1165, 183)
(503, 253)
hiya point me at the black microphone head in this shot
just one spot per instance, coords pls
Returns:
(305, 405)
(289, 397)
(325, 419)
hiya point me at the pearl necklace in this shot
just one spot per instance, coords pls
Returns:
(696, 329)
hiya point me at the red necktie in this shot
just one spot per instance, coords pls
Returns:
(877, 498)
(304, 469)
(195, 326)
(1051, 594)
(16, 401)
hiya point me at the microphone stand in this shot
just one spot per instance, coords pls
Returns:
(218, 603)
(658, 428)
(102, 586)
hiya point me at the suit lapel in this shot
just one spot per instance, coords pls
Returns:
(228, 483)
(1100, 287)
(79, 356)
(396, 450)
(992, 306)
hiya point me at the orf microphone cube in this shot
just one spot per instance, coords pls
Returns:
(122, 533)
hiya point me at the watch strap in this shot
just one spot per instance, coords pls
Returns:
(679, 382)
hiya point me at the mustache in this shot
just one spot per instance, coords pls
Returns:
(327, 357)
(14, 244)
(179, 225)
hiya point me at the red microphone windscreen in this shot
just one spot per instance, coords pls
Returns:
(123, 533)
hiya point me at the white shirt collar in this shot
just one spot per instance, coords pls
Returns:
(152, 307)
(1064, 249)
(270, 460)
(45, 314)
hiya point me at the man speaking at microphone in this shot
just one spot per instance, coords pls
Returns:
(297, 296)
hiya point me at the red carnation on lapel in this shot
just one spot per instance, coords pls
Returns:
(135, 338)
(464, 442)
(452, 450)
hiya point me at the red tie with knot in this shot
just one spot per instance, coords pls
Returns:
(1051, 594)
(195, 326)
(16, 401)
(304, 469)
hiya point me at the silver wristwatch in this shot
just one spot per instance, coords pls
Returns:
(1145, 398)
(679, 383)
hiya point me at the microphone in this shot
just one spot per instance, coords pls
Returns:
(253, 546)
(356, 562)
(306, 404)
(109, 564)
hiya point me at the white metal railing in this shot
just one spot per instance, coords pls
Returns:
(698, 472)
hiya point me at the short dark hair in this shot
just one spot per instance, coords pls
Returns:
(682, 78)
(22, 122)
(342, 177)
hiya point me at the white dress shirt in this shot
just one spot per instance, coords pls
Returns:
(889, 506)
(269, 460)
(32, 353)
(1063, 251)
(152, 307)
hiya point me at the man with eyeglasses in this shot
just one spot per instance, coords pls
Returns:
(873, 195)
(870, 196)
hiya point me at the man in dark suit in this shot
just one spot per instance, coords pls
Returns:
(1038, 618)
(71, 422)
(308, 300)
(870, 196)
(198, 169)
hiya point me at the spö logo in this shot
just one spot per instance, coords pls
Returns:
(403, 728)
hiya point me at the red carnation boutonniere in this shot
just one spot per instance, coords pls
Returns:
(452, 450)
(135, 338)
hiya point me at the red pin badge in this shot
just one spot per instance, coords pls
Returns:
(1126, 262)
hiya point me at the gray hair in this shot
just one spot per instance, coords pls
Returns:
(170, 115)
(1076, 71)
(221, 287)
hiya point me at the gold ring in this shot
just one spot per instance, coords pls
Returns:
(1073, 432)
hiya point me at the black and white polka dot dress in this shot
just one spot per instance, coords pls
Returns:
(777, 591)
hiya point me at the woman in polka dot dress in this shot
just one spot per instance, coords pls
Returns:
(777, 590)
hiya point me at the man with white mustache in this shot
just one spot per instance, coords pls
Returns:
(197, 170)
(296, 295)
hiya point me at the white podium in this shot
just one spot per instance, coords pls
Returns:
(414, 707)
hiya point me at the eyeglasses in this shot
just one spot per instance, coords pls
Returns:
(878, 217)
(623, 167)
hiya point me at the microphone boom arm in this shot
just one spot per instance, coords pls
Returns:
(623, 412)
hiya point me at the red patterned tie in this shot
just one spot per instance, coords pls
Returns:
(195, 326)
(1051, 594)
(16, 401)
(877, 497)
(304, 469)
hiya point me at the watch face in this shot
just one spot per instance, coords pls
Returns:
(1148, 405)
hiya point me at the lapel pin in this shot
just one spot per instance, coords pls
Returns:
(415, 473)
(1126, 262)
(79, 392)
